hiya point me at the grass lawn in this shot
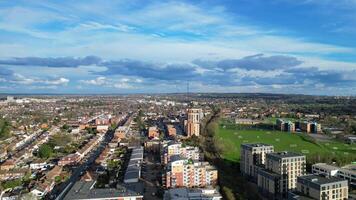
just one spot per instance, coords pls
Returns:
(231, 137)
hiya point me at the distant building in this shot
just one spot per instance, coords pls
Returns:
(121, 132)
(171, 130)
(192, 124)
(319, 187)
(280, 173)
(284, 125)
(153, 132)
(192, 194)
(252, 156)
(247, 121)
(310, 127)
(8, 164)
(70, 159)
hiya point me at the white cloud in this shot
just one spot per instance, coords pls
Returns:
(21, 79)
(98, 81)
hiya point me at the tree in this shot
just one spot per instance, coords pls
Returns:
(4, 128)
(45, 151)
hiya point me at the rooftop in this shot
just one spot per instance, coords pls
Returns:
(86, 190)
(284, 154)
(319, 180)
(190, 193)
(326, 166)
(256, 145)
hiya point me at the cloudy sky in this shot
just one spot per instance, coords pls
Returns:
(129, 46)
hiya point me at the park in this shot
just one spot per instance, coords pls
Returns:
(231, 136)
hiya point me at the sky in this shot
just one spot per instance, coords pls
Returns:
(131, 46)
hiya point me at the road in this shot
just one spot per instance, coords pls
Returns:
(151, 170)
(59, 192)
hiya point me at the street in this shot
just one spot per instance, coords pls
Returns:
(59, 191)
(150, 174)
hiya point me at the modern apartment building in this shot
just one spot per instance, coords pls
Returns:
(174, 149)
(186, 173)
(192, 124)
(284, 125)
(280, 173)
(320, 187)
(310, 127)
(252, 156)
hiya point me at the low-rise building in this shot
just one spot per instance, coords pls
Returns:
(38, 164)
(244, 121)
(8, 165)
(70, 159)
(320, 187)
(85, 190)
(133, 170)
(347, 173)
(192, 194)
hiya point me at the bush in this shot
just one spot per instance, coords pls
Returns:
(45, 151)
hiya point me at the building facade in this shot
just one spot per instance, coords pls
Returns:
(192, 125)
(280, 173)
(253, 155)
(186, 173)
(320, 187)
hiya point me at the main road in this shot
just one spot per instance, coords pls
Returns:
(59, 192)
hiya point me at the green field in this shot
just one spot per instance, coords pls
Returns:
(231, 137)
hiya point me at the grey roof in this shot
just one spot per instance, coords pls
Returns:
(133, 170)
(316, 181)
(284, 154)
(256, 145)
(85, 190)
(192, 193)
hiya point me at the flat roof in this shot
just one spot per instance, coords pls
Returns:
(318, 180)
(326, 166)
(284, 154)
(86, 190)
(192, 193)
(257, 145)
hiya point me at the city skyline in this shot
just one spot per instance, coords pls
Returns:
(95, 47)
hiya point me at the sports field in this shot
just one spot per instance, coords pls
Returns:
(231, 137)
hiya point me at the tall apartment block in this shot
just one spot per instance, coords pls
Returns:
(192, 124)
(252, 156)
(186, 173)
(280, 173)
(320, 187)
(284, 125)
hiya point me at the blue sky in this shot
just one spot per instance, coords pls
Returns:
(277, 46)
